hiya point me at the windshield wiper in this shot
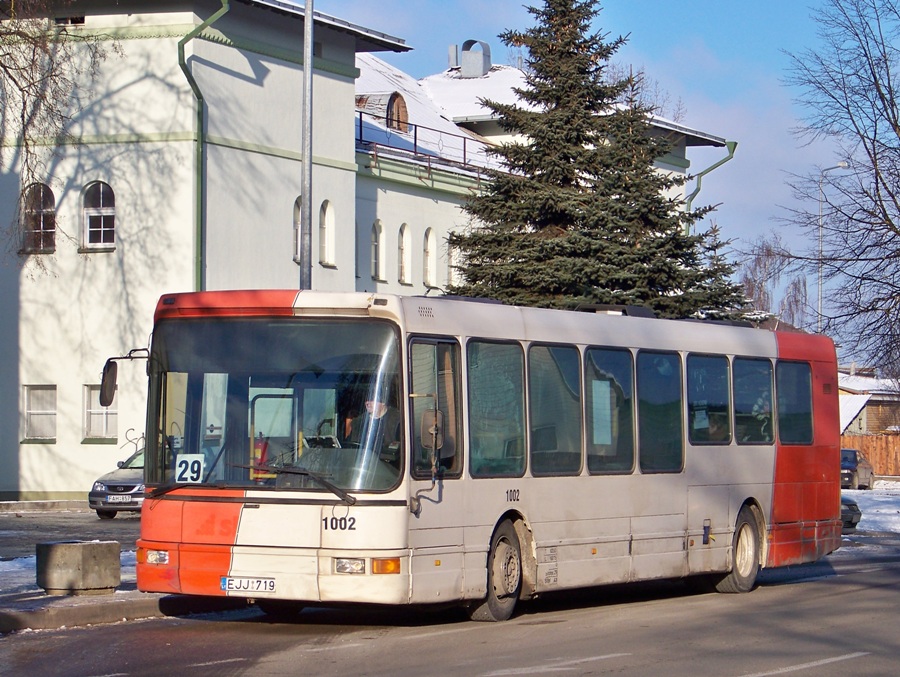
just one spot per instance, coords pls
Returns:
(166, 488)
(291, 470)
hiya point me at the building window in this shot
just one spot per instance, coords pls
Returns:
(326, 234)
(404, 255)
(377, 249)
(397, 114)
(40, 412)
(99, 217)
(39, 223)
(430, 263)
(100, 423)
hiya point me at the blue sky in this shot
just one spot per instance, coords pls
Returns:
(724, 59)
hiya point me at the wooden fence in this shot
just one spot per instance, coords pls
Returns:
(883, 451)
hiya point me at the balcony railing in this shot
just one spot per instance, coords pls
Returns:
(422, 142)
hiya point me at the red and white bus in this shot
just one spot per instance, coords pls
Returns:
(309, 448)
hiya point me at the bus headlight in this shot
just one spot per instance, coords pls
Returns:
(152, 556)
(347, 565)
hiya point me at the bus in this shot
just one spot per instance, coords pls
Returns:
(317, 449)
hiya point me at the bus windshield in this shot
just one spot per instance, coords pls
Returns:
(275, 403)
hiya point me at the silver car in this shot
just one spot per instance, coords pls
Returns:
(121, 489)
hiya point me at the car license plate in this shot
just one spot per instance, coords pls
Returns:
(240, 584)
(118, 498)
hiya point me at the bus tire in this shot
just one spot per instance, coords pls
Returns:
(744, 555)
(504, 576)
(280, 609)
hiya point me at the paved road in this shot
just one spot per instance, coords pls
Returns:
(21, 531)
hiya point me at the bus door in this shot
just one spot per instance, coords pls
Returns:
(437, 500)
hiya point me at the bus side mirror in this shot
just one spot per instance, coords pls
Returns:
(432, 429)
(108, 383)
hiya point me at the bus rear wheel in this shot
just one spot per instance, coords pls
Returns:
(504, 576)
(744, 555)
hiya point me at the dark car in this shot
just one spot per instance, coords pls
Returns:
(121, 489)
(850, 514)
(856, 471)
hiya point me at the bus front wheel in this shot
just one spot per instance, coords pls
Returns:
(504, 576)
(744, 555)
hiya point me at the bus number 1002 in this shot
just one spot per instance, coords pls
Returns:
(512, 495)
(339, 523)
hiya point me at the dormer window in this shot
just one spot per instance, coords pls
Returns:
(397, 115)
(387, 106)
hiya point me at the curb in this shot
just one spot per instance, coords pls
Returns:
(38, 506)
(59, 612)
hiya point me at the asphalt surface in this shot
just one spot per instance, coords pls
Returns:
(24, 605)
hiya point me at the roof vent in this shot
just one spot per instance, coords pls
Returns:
(453, 56)
(475, 64)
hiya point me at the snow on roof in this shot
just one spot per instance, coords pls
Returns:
(430, 131)
(868, 384)
(850, 406)
(459, 97)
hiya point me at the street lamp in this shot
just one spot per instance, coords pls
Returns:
(840, 165)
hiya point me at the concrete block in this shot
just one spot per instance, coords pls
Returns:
(78, 567)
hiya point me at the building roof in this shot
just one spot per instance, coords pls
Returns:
(850, 406)
(459, 97)
(367, 40)
(431, 132)
(858, 384)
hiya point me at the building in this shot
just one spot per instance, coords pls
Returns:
(184, 173)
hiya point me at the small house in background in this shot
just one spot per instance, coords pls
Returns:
(870, 417)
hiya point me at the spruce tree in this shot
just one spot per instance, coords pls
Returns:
(578, 214)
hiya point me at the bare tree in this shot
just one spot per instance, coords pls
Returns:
(849, 92)
(772, 287)
(43, 62)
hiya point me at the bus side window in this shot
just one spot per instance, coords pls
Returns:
(434, 380)
(609, 403)
(554, 386)
(709, 399)
(496, 409)
(752, 401)
(793, 385)
(660, 412)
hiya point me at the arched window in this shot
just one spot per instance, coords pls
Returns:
(397, 114)
(430, 263)
(404, 254)
(99, 228)
(326, 234)
(39, 222)
(377, 249)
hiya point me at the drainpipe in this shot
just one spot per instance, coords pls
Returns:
(731, 146)
(199, 165)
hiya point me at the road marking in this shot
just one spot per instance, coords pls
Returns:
(806, 666)
(222, 662)
(557, 666)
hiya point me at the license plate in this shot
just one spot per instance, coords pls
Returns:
(118, 498)
(240, 584)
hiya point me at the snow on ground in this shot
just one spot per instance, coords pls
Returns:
(880, 508)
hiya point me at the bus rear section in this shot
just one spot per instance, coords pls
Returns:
(806, 494)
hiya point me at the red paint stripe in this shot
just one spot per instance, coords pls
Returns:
(238, 303)
(199, 537)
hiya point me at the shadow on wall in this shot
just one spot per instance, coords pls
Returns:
(9, 339)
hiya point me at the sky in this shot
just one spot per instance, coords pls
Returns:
(723, 59)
